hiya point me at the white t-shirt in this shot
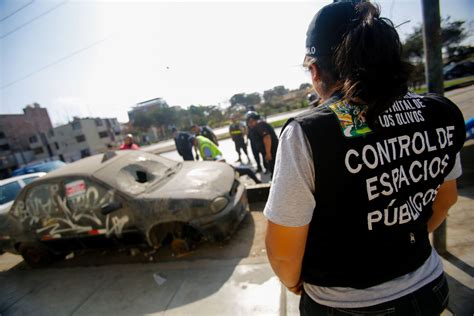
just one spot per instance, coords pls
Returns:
(291, 203)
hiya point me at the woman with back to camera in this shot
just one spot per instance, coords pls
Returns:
(361, 179)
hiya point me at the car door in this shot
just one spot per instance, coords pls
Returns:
(96, 209)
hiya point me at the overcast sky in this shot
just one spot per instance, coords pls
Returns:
(99, 58)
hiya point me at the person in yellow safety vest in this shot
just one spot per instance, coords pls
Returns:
(210, 152)
(207, 149)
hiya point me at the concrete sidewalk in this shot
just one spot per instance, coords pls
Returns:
(223, 287)
(205, 287)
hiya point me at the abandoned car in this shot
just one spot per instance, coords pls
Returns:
(124, 198)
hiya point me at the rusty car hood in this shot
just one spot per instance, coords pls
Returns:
(200, 180)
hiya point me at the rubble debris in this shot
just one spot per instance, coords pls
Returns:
(159, 279)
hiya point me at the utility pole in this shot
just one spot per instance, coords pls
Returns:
(434, 78)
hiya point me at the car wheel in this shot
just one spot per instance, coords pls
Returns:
(36, 254)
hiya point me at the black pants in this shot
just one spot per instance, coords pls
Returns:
(430, 300)
(240, 144)
(271, 165)
(188, 155)
(247, 172)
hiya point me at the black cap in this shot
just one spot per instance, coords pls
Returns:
(327, 29)
(251, 115)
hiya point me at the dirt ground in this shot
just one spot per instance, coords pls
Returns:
(247, 241)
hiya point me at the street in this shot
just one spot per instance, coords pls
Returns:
(228, 278)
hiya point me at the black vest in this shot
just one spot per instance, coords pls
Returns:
(374, 190)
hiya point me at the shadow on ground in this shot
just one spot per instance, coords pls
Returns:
(115, 282)
(458, 303)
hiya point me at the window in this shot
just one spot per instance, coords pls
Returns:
(80, 138)
(38, 150)
(9, 191)
(33, 139)
(2, 135)
(103, 134)
(39, 198)
(98, 122)
(85, 153)
(76, 125)
(29, 180)
(51, 133)
(5, 147)
(56, 145)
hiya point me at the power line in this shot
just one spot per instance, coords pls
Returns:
(54, 63)
(34, 19)
(16, 11)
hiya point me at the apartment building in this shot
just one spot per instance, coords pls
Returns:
(80, 138)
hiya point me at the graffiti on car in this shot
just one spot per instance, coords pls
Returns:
(78, 213)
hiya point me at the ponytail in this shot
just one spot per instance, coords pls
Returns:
(368, 62)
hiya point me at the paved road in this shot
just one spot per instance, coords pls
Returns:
(168, 145)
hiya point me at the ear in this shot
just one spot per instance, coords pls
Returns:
(313, 68)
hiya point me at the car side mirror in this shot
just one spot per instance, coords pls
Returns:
(110, 207)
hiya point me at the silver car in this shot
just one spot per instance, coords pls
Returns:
(125, 198)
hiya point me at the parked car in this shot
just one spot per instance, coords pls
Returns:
(39, 167)
(10, 187)
(125, 198)
(461, 69)
(9, 190)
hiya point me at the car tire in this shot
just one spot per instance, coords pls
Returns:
(36, 255)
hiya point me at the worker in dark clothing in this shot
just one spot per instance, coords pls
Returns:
(183, 146)
(266, 134)
(237, 133)
(257, 147)
(205, 131)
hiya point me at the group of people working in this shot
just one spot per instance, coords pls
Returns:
(262, 136)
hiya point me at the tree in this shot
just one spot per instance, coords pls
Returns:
(452, 33)
(413, 46)
(277, 91)
(305, 86)
(247, 100)
(142, 121)
(253, 99)
(238, 98)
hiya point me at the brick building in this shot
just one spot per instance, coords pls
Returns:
(15, 133)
